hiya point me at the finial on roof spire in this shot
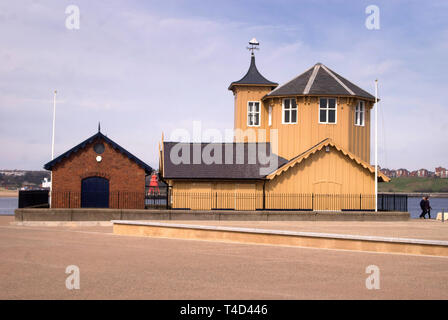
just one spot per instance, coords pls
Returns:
(99, 127)
(253, 45)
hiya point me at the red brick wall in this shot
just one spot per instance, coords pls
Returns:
(126, 178)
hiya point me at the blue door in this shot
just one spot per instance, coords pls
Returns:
(95, 193)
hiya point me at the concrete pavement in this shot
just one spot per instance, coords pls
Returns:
(415, 228)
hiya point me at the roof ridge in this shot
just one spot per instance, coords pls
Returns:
(291, 80)
(61, 157)
(317, 147)
(338, 80)
(300, 154)
(312, 78)
(351, 83)
(316, 82)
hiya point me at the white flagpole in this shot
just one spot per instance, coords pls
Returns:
(376, 145)
(54, 123)
(52, 142)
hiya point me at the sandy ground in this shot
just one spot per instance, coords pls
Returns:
(33, 261)
(414, 229)
(8, 193)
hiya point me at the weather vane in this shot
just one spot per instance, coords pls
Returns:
(253, 45)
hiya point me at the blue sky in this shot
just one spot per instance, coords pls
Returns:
(143, 67)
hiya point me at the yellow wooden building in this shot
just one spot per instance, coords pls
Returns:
(312, 142)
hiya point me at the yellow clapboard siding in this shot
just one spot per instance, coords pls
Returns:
(296, 138)
(221, 195)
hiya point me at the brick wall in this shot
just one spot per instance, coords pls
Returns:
(126, 178)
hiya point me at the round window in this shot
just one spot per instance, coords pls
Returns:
(99, 148)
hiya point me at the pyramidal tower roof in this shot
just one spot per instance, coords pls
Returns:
(253, 77)
(317, 80)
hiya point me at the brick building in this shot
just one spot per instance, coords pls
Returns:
(441, 172)
(422, 173)
(403, 173)
(98, 173)
(389, 173)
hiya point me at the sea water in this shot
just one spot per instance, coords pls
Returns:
(8, 205)
(437, 204)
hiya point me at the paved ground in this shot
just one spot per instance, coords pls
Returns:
(416, 229)
(33, 262)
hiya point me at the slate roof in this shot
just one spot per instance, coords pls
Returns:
(97, 137)
(234, 170)
(318, 80)
(253, 76)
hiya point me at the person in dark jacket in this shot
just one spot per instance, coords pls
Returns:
(428, 207)
(423, 207)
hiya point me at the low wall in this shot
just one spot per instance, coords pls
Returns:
(281, 237)
(127, 214)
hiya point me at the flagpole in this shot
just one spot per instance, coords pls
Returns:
(52, 142)
(376, 145)
(54, 123)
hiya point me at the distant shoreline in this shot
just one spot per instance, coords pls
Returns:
(416, 186)
(420, 194)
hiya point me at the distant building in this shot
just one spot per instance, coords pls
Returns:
(17, 173)
(402, 173)
(388, 172)
(441, 172)
(422, 173)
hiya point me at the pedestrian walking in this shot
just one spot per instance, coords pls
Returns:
(428, 207)
(423, 207)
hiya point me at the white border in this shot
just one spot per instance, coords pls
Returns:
(283, 111)
(363, 114)
(259, 114)
(318, 113)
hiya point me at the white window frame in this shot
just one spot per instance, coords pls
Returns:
(254, 112)
(360, 110)
(290, 112)
(327, 109)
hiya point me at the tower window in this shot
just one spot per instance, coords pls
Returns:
(289, 111)
(360, 113)
(327, 110)
(253, 113)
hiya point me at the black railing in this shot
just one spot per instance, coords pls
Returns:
(166, 198)
(393, 202)
(33, 198)
(286, 201)
(113, 199)
(157, 197)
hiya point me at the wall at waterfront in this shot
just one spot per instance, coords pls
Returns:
(126, 214)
